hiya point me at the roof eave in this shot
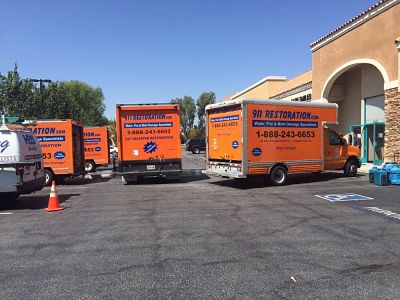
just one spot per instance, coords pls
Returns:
(360, 19)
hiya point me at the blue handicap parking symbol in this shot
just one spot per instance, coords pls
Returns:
(344, 197)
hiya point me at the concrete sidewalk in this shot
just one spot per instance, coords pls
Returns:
(365, 167)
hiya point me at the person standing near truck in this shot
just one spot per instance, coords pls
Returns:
(357, 140)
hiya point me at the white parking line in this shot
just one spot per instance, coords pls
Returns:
(6, 213)
(384, 212)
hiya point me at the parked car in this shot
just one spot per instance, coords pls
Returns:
(196, 145)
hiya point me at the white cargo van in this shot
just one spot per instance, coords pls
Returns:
(21, 164)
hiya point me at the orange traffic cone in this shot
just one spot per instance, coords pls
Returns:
(54, 203)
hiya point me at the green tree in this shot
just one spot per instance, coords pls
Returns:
(203, 100)
(86, 103)
(194, 133)
(59, 100)
(188, 112)
(57, 103)
(112, 126)
(15, 94)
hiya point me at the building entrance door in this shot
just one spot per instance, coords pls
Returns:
(378, 142)
(370, 139)
(374, 120)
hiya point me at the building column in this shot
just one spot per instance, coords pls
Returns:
(397, 43)
(392, 124)
(392, 115)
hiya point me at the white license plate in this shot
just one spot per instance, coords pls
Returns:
(151, 167)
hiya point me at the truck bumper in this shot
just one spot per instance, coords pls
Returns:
(225, 170)
(30, 186)
(131, 170)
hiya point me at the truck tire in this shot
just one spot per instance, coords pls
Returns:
(350, 170)
(278, 176)
(196, 150)
(90, 166)
(49, 177)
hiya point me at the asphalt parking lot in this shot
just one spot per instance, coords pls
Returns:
(204, 238)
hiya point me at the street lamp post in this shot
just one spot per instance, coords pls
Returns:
(41, 86)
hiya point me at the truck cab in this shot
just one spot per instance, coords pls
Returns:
(338, 155)
(21, 164)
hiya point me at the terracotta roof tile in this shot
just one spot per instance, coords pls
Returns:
(349, 22)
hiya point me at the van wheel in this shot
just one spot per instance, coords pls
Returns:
(49, 177)
(278, 176)
(350, 169)
(196, 150)
(90, 166)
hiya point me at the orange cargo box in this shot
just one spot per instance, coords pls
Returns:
(97, 151)
(62, 147)
(149, 142)
(262, 137)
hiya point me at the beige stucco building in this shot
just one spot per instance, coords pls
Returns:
(356, 66)
(298, 88)
(261, 89)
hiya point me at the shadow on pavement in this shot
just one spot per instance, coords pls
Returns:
(32, 202)
(262, 181)
(89, 178)
(188, 175)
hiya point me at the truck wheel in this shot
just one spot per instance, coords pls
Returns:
(90, 166)
(278, 176)
(196, 150)
(49, 177)
(350, 169)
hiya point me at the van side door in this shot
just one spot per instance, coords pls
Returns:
(334, 151)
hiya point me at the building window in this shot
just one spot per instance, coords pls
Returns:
(302, 98)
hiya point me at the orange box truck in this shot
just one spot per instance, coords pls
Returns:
(97, 150)
(62, 148)
(275, 138)
(149, 141)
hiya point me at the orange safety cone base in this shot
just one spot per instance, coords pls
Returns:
(53, 209)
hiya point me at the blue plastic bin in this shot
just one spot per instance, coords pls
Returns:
(395, 175)
(371, 174)
(389, 166)
(381, 177)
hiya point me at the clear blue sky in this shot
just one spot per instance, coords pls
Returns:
(153, 51)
